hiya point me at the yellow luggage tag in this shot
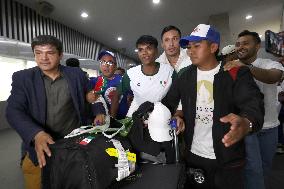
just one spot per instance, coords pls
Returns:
(113, 152)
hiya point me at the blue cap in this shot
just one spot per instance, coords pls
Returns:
(201, 32)
(104, 52)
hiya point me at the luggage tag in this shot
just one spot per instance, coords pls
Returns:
(81, 130)
(114, 152)
(86, 140)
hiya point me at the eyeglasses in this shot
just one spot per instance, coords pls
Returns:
(104, 63)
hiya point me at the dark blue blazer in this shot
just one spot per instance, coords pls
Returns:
(26, 110)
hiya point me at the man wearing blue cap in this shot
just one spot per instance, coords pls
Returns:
(106, 84)
(216, 118)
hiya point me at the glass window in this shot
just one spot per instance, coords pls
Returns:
(8, 67)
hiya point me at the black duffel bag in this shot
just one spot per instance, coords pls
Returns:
(76, 164)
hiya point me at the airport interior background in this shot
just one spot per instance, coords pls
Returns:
(87, 27)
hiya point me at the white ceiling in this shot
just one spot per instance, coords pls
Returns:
(130, 19)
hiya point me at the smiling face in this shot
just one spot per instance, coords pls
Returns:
(47, 58)
(107, 66)
(246, 48)
(170, 43)
(147, 53)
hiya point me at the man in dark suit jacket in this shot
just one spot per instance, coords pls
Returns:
(46, 103)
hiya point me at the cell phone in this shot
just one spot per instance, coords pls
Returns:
(274, 43)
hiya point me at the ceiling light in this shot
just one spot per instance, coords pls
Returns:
(156, 1)
(84, 15)
(136, 50)
(119, 38)
(248, 16)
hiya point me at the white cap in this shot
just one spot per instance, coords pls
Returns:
(159, 123)
(228, 49)
(201, 32)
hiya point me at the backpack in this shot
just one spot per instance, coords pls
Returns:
(83, 162)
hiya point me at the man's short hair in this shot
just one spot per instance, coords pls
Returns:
(169, 28)
(47, 40)
(73, 62)
(147, 39)
(121, 69)
(253, 34)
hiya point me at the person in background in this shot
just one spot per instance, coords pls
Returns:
(228, 53)
(120, 71)
(261, 146)
(216, 120)
(280, 106)
(106, 85)
(73, 62)
(173, 54)
(46, 103)
(280, 87)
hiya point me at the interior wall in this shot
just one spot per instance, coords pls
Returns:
(221, 23)
(264, 18)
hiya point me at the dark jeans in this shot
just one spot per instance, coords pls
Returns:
(45, 177)
(280, 127)
(260, 150)
(216, 177)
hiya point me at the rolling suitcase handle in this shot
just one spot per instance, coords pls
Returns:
(173, 124)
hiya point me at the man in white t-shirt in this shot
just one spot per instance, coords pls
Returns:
(149, 81)
(216, 120)
(260, 147)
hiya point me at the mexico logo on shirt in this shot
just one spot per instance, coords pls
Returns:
(163, 83)
(109, 94)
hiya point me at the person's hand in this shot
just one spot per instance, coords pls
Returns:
(42, 139)
(231, 64)
(91, 97)
(180, 124)
(99, 119)
(239, 128)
